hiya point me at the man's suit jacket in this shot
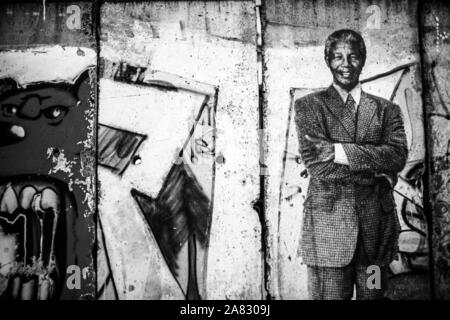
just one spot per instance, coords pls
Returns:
(344, 201)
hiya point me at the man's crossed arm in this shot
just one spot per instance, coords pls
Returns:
(319, 153)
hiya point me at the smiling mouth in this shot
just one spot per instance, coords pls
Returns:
(346, 74)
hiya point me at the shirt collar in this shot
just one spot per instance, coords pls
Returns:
(355, 92)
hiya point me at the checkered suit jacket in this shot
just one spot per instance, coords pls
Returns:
(344, 201)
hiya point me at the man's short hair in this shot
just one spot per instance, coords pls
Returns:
(347, 36)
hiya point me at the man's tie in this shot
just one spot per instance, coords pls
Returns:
(350, 104)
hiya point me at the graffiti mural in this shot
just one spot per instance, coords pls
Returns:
(436, 62)
(46, 173)
(413, 253)
(180, 214)
(157, 162)
(161, 166)
(164, 61)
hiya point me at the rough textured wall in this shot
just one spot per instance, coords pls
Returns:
(436, 65)
(177, 55)
(47, 151)
(178, 138)
(294, 35)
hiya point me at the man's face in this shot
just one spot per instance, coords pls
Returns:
(345, 63)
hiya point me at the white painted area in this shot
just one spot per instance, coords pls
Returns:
(166, 118)
(46, 64)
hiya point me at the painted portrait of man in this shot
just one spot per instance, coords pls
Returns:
(353, 145)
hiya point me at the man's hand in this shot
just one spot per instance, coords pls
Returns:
(320, 150)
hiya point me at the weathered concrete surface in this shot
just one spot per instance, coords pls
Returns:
(50, 57)
(436, 63)
(295, 34)
(56, 22)
(211, 43)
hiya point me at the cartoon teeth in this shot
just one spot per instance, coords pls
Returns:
(29, 205)
(36, 206)
(9, 200)
(26, 196)
(41, 203)
(50, 202)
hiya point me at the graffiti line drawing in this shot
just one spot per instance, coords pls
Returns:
(181, 213)
(178, 214)
(116, 147)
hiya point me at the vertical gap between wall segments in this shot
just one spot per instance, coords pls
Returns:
(96, 25)
(260, 203)
(428, 161)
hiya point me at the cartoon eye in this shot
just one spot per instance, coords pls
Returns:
(55, 114)
(8, 110)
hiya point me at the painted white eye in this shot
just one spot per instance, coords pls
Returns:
(9, 110)
(56, 112)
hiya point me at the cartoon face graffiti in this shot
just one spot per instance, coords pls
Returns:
(37, 117)
(38, 209)
(46, 105)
